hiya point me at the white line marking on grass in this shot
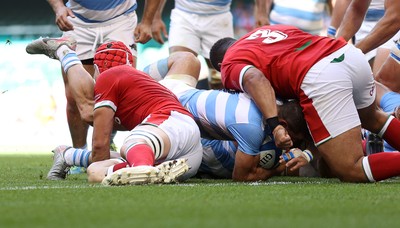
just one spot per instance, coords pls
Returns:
(47, 187)
(178, 185)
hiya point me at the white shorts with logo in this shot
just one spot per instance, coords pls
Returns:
(333, 90)
(90, 36)
(199, 32)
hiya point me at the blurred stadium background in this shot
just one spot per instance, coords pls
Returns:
(31, 88)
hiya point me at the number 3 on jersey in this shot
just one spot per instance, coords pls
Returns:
(268, 35)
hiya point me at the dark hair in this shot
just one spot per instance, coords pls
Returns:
(218, 50)
(291, 111)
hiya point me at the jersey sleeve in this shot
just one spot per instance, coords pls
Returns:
(105, 92)
(232, 75)
(248, 137)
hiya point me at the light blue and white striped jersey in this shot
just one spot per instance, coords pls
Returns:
(97, 11)
(376, 10)
(226, 116)
(219, 156)
(307, 15)
(204, 7)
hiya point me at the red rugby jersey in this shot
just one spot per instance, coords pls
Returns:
(283, 53)
(133, 95)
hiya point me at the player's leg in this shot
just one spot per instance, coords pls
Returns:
(343, 155)
(185, 145)
(146, 145)
(334, 123)
(97, 171)
(183, 66)
(213, 28)
(65, 157)
(389, 73)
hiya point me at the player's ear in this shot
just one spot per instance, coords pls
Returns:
(283, 123)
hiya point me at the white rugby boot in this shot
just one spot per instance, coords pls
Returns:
(133, 176)
(172, 170)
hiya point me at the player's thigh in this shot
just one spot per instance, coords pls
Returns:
(380, 58)
(184, 135)
(333, 90)
(182, 31)
(85, 38)
(343, 155)
(122, 30)
(213, 28)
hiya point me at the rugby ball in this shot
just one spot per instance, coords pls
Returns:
(269, 159)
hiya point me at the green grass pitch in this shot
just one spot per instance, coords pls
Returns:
(27, 199)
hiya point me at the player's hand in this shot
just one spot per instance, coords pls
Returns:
(295, 158)
(62, 21)
(261, 20)
(282, 138)
(159, 30)
(142, 33)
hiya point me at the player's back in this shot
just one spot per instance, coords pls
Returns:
(283, 53)
(133, 95)
(222, 115)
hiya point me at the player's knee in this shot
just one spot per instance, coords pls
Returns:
(87, 116)
(353, 174)
(187, 58)
(92, 174)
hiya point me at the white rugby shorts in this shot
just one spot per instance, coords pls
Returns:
(89, 36)
(199, 32)
(184, 136)
(333, 90)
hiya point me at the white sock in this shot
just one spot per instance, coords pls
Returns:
(67, 57)
(77, 157)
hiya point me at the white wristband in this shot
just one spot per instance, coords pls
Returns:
(307, 155)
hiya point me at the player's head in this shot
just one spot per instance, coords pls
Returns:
(218, 51)
(292, 118)
(112, 54)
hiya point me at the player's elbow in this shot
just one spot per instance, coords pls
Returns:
(87, 115)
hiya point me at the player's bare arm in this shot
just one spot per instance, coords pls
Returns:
(158, 27)
(247, 168)
(102, 127)
(255, 84)
(353, 18)
(386, 27)
(142, 32)
(262, 8)
(62, 12)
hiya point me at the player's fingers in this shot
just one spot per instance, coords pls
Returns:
(165, 33)
(158, 37)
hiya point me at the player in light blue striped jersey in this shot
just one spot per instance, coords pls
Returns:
(224, 115)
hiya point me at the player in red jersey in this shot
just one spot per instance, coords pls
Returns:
(334, 85)
(161, 130)
(160, 127)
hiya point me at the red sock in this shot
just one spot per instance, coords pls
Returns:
(392, 134)
(119, 166)
(140, 154)
(383, 165)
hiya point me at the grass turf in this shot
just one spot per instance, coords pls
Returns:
(27, 199)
